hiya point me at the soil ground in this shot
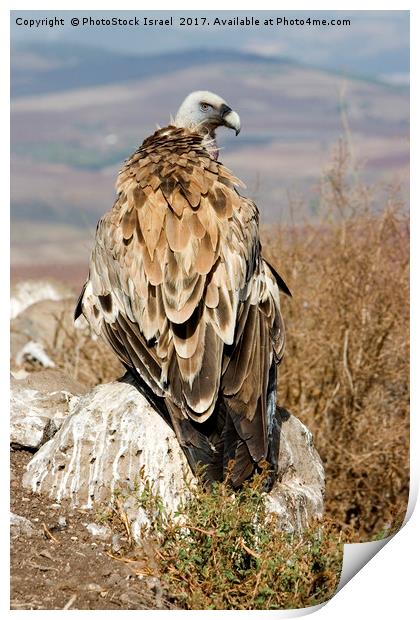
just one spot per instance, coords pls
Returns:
(61, 565)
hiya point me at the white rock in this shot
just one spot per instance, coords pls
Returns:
(46, 323)
(116, 543)
(26, 293)
(19, 374)
(21, 526)
(62, 522)
(103, 532)
(38, 405)
(33, 422)
(113, 434)
(298, 495)
(34, 351)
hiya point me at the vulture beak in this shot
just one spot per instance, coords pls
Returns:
(230, 118)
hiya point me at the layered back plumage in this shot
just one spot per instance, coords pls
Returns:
(178, 288)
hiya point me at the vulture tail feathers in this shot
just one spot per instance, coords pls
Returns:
(243, 466)
(78, 309)
(237, 460)
(218, 451)
(197, 447)
(280, 282)
(273, 452)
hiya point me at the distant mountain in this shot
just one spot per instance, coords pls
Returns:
(56, 67)
(50, 67)
(77, 113)
(375, 43)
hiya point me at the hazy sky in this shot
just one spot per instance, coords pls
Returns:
(375, 44)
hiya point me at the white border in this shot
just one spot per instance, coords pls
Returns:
(386, 586)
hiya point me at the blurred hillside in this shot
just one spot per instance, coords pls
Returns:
(78, 112)
(376, 43)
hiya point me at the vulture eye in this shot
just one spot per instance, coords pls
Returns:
(204, 107)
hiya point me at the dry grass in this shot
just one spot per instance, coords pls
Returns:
(86, 360)
(345, 374)
(92, 362)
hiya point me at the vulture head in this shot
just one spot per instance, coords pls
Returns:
(203, 112)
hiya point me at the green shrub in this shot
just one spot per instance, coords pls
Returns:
(222, 550)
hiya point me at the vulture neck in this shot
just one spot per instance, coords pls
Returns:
(210, 144)
(209, 140)
(208, 134)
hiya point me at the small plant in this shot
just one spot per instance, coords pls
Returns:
(222, 550)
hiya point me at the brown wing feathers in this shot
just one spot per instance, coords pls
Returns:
(178, 288)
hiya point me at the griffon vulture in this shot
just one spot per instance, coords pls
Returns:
(178, 288)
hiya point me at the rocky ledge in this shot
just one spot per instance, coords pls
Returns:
(88, 446)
